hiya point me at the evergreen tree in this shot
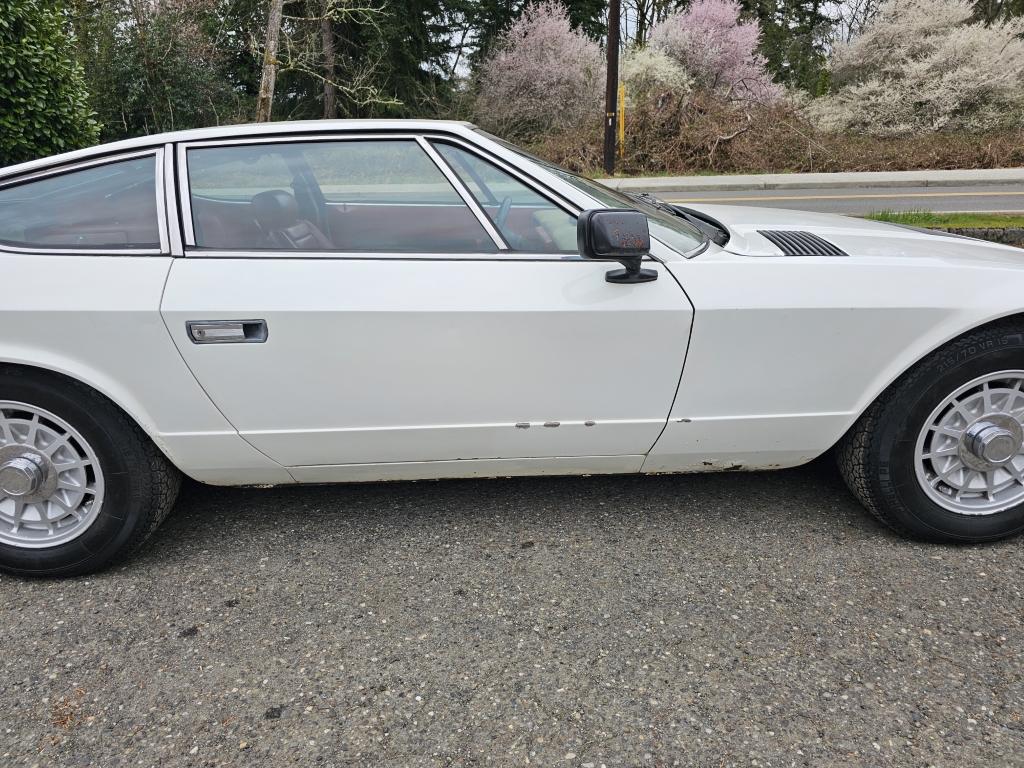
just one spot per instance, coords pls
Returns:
(794, 39)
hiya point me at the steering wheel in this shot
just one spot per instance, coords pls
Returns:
(502, 215)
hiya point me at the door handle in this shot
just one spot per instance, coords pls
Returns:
(227, 331)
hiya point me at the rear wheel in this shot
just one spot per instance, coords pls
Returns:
(81, 486)
(940, 455)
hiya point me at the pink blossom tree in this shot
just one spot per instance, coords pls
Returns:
(542, 76)
(717, 49)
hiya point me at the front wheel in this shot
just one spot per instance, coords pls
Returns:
(81, 486)
(940, 455)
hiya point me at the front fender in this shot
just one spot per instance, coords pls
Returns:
(787, 353)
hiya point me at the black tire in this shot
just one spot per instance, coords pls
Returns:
(140, 482)
(876, 457)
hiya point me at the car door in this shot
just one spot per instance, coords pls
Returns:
(347, 301)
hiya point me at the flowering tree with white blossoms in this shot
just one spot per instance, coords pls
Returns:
(651, 73)
(717, 49)
(926, 65)
(542, 76)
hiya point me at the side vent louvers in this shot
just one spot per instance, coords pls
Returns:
(801, 243)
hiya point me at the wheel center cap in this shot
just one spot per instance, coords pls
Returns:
(992, 443)
(21, 476)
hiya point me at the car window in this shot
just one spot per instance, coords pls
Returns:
(674, 231)
(110, 207)
(526, 219)
(379, 196)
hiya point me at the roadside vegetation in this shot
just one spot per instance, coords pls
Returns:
(914, 84)
(951, 220)
(712, 86)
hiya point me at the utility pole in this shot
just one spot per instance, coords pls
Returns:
(611, 93)
(265, 100)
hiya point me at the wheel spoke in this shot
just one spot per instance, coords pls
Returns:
(942, 453)
(19, 512)
(33, 430)
(69, 465)
(56, 445)
(64, 485)
(1015, 473)
(66, 506)
(986, 397)
(965, 412)
(1011, 397)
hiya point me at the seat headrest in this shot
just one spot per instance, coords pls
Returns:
(275, 209)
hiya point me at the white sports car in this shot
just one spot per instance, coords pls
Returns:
(368, 300)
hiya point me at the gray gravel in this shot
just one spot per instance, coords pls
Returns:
(735, 619)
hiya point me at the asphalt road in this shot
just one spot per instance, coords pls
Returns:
(731, 619)
(859, 201)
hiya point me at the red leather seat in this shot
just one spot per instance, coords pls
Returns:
(277, 214)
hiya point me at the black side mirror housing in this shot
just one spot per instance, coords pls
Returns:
(616, 234)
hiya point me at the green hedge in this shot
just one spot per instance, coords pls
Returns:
(44, 105)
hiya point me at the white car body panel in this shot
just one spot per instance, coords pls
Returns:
(96, 319)
(812, 341)
(405, 360)
(391, 367)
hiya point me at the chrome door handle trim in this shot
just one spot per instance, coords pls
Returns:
(227, 331)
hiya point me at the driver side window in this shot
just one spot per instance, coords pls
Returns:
(527, 220)
(344, 196)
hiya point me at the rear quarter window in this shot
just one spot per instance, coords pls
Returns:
(107, 207)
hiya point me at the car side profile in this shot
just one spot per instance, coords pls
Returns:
(348, 301)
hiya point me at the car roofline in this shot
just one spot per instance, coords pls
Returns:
(238, 131)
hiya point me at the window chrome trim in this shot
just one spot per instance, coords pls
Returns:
(556, 257)
(161, 203)
(185, 198)
(541, 189)
(421, 137)
(184, 189)
(161, 219)
(464, 193)
(175, 247)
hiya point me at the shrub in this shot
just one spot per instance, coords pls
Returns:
(717, 49)
(649, 73)
(43, 101)
(692, 135)
(923, 65)
(541, 76)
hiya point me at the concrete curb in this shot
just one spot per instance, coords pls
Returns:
(872, 179)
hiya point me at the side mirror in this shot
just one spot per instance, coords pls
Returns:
(616, 234)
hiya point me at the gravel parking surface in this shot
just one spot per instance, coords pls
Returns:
(732, 619)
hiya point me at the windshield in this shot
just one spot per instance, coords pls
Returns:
(674, 231)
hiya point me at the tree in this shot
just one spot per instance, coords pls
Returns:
(795, 38)
(490, 19)
(926, 65)
(645, 14)
(265, 100)
(990, 11)
(717, 49)
(44, 107)
(154, 66)
(329, 53)
(541, 75)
